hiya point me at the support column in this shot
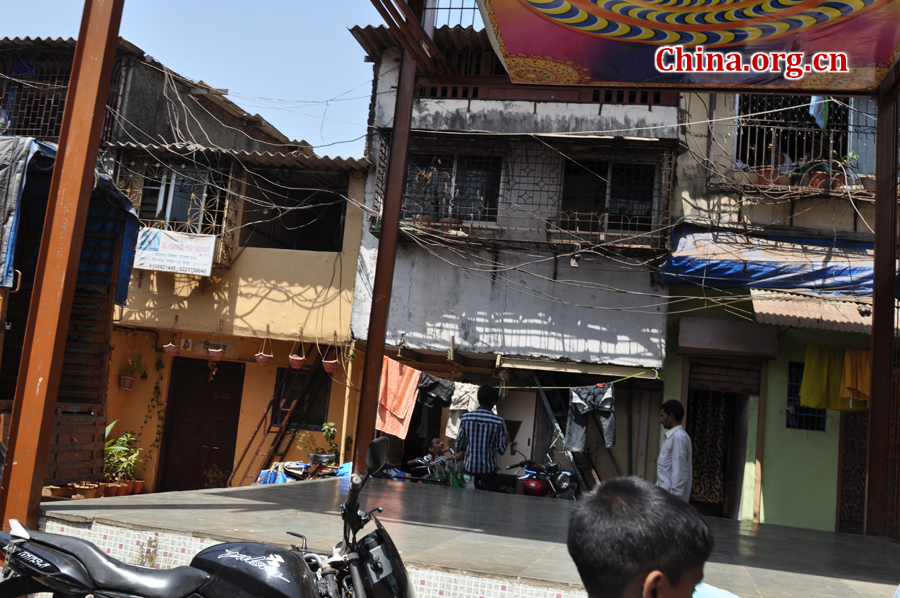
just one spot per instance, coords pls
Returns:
(886, 160)
(384, 266)
(57, 267)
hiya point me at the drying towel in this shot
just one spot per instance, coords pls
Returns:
(465, 399)
(822, 373)
(399, 387)
(856, 384)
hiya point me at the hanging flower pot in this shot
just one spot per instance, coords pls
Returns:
(298, 360)
(331, 366)
(171, 349)
(263, 358)
(126, 382)
(215, 354)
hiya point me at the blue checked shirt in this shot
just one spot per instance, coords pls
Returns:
(482, 434)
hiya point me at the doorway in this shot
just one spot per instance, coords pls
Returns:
(201, 423)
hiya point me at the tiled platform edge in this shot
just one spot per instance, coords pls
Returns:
(166, 549)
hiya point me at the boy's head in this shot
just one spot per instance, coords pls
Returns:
(488, 396)
(630, 538)
(434, 446)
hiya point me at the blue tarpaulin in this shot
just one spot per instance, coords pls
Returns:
(724, 259)
(14, 159)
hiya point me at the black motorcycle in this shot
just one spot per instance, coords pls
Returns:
(67, 567)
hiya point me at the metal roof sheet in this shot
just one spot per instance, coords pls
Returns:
(375, 40)
(806, 311)
(293, 160)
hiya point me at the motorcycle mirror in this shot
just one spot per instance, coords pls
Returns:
(377, 455)
(513, 448)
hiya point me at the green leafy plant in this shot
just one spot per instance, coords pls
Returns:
(134, 366)
(156, 408)
(120, 456)
(214, 477)
(307, 443)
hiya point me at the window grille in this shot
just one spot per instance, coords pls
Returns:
(529, 191)
(801, 418)
(185, 199)
(311, 410)
(454, 13)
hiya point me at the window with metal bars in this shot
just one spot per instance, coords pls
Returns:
(603, 195)
(452, 185)
(311, 410)
(798, 417)
(188, 200)
(779, 131)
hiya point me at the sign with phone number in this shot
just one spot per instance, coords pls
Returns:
(167, 251)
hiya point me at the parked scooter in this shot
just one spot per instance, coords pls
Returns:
(74, 568)
(547, 479)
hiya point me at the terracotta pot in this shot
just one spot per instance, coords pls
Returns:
(768, 176)
(61, 492)
(87, 492)
(449, 224)
(331, 366)
(869, 183)
(263, 358)
(120, 489)
(215, 354)
(818, 180)
(171, 349)
(297, 361)
(138, 486)
(126, 382)
(129, 485)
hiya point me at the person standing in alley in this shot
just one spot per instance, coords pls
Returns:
(482, 434)
(674, 468)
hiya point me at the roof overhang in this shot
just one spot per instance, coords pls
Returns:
(808, 311)
(581, 42)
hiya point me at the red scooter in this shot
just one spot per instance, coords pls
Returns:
(547, 479)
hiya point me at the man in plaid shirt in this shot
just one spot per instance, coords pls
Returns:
(483, 434)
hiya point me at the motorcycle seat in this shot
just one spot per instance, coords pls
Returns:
(320, 458)
(110, 574)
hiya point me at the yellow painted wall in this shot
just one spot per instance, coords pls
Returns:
(133, 412)
(279, 288)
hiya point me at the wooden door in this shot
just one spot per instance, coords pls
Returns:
(201, 423)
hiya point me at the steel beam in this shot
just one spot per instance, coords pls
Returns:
(57, 266)
(886, 161)
(384, 266)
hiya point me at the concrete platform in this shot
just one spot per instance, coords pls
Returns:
(502, 538)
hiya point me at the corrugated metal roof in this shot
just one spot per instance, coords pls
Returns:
(375, 40)
(297, 160)
(57, 43)
(806, 311)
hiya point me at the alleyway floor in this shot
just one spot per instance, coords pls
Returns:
(502, 536)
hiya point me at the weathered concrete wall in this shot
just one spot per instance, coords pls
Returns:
(435, 114)
(157, 112)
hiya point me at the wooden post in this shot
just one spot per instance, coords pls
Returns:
(57, 266)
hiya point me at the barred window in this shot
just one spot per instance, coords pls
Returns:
(311, 410)
(801, 418)
(464, 187)
(600, 195)
(182, 200)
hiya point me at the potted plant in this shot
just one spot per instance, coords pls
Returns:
(120, 457)
(133, 367)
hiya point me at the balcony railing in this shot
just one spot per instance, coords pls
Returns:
(455, 13)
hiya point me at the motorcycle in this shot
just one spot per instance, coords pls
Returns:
(68, 567)
(547, 479)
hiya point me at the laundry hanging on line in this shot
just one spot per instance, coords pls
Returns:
(599, 399)
(396, 398)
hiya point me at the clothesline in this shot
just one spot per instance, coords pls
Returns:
(570, 386)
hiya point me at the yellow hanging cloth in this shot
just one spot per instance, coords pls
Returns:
(856, 384)
(822, 373)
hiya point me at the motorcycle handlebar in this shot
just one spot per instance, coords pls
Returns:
(517, 465)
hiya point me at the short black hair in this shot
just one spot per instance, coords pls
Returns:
(628, 526)
(674, 408)
(488, 396)
(426, 444)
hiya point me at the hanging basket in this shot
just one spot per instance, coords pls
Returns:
(296, 360)
(126, 382)
(264, 358)
(331, 366)
(171, 349)
(215, 354)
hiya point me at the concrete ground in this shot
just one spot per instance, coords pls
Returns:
(499, 534)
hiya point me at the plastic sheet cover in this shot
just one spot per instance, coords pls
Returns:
(614, 42)
(730, 259)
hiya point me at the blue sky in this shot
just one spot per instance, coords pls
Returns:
(296, 50)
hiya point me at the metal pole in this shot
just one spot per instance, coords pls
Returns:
(384, 266)
(57, 267)
(886, 160)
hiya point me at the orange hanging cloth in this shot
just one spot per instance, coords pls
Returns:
(397, 397)
(856, 384)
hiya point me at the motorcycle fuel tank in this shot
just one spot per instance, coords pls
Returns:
(248, 570)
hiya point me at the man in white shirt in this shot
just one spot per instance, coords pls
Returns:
(674, 468)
